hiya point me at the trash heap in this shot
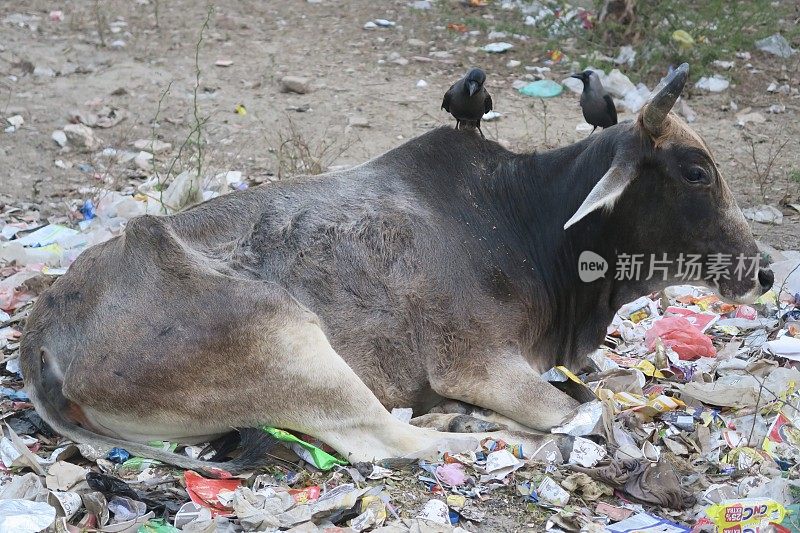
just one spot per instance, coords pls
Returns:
(692, 425)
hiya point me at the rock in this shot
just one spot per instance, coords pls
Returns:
(397, 59)
(421, 4)
(60, 138)
(495, 35)
(422, 83)
(143, 160)
(777, 108)
(81, 137)
(776, 45)
(43, 72)
(683, 109)
(16, 120)
(370, 25)
(743, 55)
(418, 43)
(498, 48)
(383, 23)
(117, 45)
(766, 214)
(358, 122)
(714, 84)
(491, 115)
(513, 63)
(154, 146)
(755, 118)
(295, 84)
(725, 65)
(223, 63)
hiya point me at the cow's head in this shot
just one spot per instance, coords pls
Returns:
(665, 194)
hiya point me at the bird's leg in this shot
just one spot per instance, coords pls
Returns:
(593, 130)
(479, 129)
(458, 124)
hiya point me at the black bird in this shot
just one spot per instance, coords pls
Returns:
(467, 99)
(598, 107)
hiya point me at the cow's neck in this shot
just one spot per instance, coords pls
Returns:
(567, 317)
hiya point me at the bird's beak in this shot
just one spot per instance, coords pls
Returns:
(578, 76)
(473, 87)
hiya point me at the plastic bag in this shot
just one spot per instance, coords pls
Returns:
(685, 339)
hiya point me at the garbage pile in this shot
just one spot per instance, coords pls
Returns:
(694, 425)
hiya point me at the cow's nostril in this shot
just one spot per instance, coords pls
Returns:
(766, 278)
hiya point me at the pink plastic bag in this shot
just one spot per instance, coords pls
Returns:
(680, 335)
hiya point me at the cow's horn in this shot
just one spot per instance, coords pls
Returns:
(663, 98)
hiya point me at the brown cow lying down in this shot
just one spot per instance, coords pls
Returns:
(439, 270)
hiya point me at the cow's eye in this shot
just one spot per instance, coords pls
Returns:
(697, 175)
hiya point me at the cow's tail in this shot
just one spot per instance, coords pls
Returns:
(44, 385)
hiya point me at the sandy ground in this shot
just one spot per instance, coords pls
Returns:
(353, 77)
(364, 101)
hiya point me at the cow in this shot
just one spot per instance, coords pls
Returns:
(444, 269)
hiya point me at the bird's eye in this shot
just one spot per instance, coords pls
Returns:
(697, 175)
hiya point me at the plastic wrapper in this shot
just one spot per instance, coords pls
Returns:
(23, 516)
(308, 452)
(744, 513)
(680, 335)
(586, 453)
(206, 492)
(584, 421)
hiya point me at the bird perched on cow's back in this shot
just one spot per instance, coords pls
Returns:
(467, 100)
(598, 107)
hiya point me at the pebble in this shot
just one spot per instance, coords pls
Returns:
(777, 108)
(497, 48)
(358, 122)
(416, 42)
(143, 160)
(16, 120)
(81, 136)
(295, 84)
(59, 137)
(154, 146)
(43, 72)
(422, 83)
(383, 23)
(513, 63)
(370, 25)
(119, 43)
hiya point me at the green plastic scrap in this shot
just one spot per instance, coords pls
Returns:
(542, 89)
(320, 458)
(158, 525)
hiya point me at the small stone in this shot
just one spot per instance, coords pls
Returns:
(143, 160)
(16, 121)
(422, 84)
(777, 108)
(358, 122)
(421, 4)
(10, 129)
(418, 43)
(498, 48)
(513, 63)
(118, 44)
(223, 63)
(743, 55)
(726, 65)
(383, 23)
(491, 115)
(370, 25)
(295, 84)
(154, 146)
(755, 118)
(81, 136)
(493, 35)
(60, 138)
(43, 72)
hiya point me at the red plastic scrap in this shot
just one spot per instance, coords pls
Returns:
(680, 335)
(205, 492)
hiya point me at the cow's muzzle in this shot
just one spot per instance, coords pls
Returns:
(766, 278)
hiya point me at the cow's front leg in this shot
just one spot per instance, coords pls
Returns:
(509, 386)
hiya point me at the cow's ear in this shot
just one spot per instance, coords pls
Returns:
(606, 192)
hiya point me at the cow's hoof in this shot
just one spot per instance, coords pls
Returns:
(455, 423)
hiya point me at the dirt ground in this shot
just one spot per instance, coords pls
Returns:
(365, 100)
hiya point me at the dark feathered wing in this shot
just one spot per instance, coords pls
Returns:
(611, 109)
(446, 99)
(487, 103)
